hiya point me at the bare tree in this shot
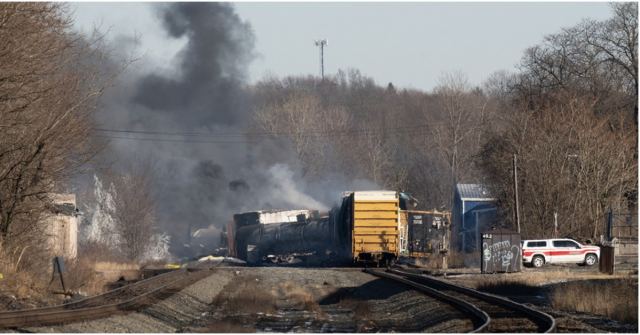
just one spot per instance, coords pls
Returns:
(572, 162)
(376, 155)
(567, 116)
(47, 93)
(308, 126)
(598, 58)
(456, 125)
(134, 208)
(568, 88)
(617, 40)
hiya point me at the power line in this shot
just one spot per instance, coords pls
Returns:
(246, 140)
(174, 140)
(252, 137)
(319, 133)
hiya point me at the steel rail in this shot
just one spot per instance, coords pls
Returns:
(480, 318)
(67, 313)
(97, 299)
(89, 301)
(545, 322)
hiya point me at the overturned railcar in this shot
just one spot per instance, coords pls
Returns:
(364, 228)
(314, 241)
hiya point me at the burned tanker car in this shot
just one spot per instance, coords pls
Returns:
(283, 237)
(364, 228)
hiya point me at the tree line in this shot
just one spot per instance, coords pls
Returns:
(51, 81)
(569, 113)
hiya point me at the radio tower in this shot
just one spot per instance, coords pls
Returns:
(321, 43)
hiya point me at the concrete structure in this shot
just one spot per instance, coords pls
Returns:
(474, 211)
(112, 271)
(62, 226)
(620, 242)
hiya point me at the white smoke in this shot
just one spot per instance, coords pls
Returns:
(102, 225)
(158, 248)
(285, 190)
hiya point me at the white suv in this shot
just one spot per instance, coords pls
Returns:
(564, 250)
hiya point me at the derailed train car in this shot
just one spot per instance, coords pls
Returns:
(313, 240)
(364, 228)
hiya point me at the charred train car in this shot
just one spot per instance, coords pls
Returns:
(364, 228)
(312, 240)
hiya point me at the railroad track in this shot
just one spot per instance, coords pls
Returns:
(121, 300)
(488, 312)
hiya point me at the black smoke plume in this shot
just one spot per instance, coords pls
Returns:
(201, 181)
(212, 67)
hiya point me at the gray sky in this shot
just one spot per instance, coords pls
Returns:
(409, 44)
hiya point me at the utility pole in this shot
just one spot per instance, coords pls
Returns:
(515, 191)
(321, 43)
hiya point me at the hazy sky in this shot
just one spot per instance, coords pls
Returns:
(409, 44)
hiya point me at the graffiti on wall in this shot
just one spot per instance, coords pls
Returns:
(501, 256)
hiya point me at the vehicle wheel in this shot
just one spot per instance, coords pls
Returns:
(590, 260)
(537, 261)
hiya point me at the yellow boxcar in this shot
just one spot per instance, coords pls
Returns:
(375, 226)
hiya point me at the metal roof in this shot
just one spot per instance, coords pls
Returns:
(476, 192)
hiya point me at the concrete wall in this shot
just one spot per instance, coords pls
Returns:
(62, 227)
(626, 254)
(112, 271)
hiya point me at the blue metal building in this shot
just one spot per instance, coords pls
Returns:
(474, 210)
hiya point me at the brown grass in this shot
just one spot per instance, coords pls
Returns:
(18, 282)
(243, 297)
(616, 299)
(21, 284)
(455, 259)
(84, 276)
(24, 280)
(81, 277)
(99, 253)
(223, 326)
(507, 287)
(433, 261)
(296, 296)
(532, 278)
